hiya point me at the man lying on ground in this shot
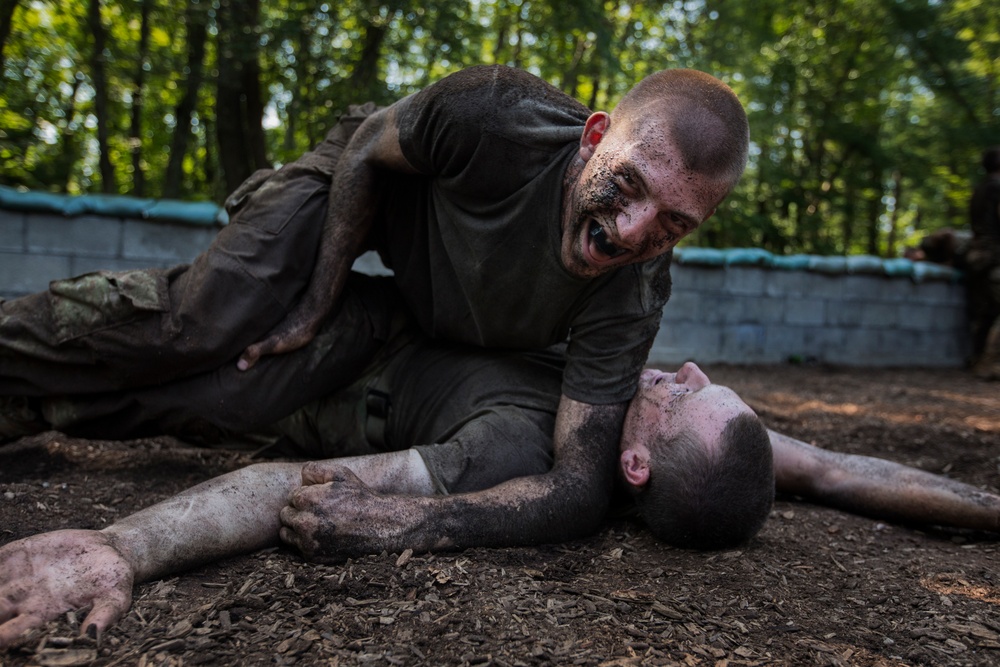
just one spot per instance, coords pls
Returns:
(677, 437)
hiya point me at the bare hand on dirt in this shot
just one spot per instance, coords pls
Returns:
(44, 576)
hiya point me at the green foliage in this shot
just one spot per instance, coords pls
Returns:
(867, 116)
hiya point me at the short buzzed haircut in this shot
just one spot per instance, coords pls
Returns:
(704, 117)
(710, 498)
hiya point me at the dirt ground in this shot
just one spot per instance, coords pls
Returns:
(816, 587)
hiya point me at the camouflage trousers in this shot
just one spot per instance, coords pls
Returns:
(137, 344)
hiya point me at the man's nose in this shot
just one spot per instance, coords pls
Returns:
(692, 376)
(635, 220)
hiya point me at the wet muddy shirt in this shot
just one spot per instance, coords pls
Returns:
(474, 241)
(477, 418)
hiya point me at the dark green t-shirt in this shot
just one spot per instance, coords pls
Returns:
(474, 240)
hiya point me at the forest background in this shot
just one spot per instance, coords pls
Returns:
(868, 117)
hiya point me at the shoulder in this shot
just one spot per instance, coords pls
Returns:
(489, 91)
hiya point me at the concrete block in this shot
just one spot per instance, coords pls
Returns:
(805, 311)
(865, 288)
(12, 224)
(879, 315)
(862, 347)
(788, 283)
(24, 274)
(745, 280)
(901, 347)
(841, 313)
(939, 292)
(806, 284)
(164, 242)
(821, 343)
(678, 342)
(825, 286)
(953, 318)
(945, 349)
(719, 309)
(683, 306)
(784, 342)
(926, 317)
(744, 343)
(763, 309)
(698, 278)
(96, 236)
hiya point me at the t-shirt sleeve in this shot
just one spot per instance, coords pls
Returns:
(439, 129)
(485, 130)
(499, 444)
(610, 339)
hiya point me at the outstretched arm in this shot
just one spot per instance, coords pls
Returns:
(334, 516)
(45, 575)
(879, 488)
(373, 147)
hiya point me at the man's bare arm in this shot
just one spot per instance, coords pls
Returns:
(372, 148)
(879, 488)
(334, 516)
(45, 575)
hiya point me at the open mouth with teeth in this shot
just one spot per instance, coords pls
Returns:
(600, 239)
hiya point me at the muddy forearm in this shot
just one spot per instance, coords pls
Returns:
(567, 503)
(892, 491)
(228, 515)
(353, 195)
(880, 488)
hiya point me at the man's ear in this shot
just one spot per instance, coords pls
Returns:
(635, 466)
(593, 131)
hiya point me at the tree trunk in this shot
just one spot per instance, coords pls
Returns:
(365, 74)
(99, 78)
(7, 8)
(847, 225)
(874, 212)
(197, 22)
(138, 92)
(253, 109)
(897, 195)
(69, 151)
(239, 112)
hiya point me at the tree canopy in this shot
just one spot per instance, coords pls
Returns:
(867, 117)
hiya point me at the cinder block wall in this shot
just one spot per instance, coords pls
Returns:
(759, 314)
(38, 247)
(734, 306)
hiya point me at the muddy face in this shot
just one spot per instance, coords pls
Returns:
(669, 404)
(631, 201)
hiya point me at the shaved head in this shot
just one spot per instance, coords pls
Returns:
(702, 116)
